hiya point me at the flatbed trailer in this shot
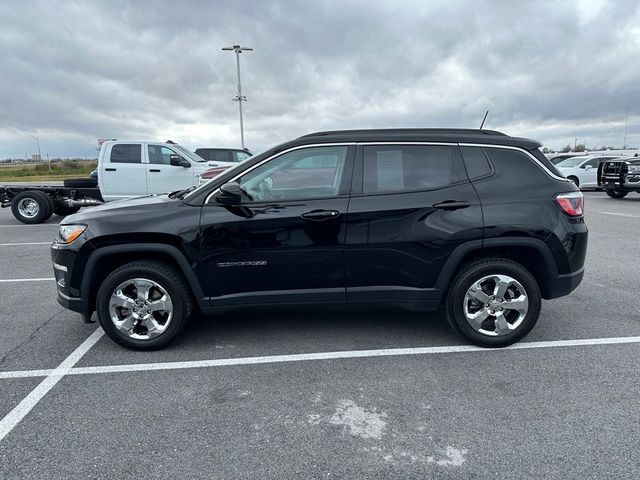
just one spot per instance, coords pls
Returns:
(33, 204)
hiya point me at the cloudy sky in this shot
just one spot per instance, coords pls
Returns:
(74, 71)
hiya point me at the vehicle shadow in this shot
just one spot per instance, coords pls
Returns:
(283, 329)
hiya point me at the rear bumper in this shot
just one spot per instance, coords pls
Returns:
(564, 284)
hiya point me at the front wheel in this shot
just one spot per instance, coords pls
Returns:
(144, 305)
(616, 193)
(493, 302)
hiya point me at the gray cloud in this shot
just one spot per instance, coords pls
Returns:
(71, 72)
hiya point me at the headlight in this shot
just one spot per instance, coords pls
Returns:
(634, 168)
(68, 233)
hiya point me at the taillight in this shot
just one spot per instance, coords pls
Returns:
(571, 203)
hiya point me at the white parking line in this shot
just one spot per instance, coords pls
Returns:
(617, 214)
(26, 405)
(300, 357)
(30, 226)
(25, 243)
(12, 280)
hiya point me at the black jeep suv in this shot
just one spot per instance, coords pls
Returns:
(472, 220)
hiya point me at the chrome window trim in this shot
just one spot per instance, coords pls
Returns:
(310, 145)
(542, 166)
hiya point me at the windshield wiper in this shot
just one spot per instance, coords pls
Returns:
(181, 193)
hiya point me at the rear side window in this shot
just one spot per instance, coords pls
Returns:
(220, 156)
(476, 162)
(401, 168)
(240, 156)
(124, 153)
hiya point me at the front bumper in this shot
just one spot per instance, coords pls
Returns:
(68, 269)
(628, 182)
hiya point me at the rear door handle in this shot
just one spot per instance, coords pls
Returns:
(154, 170)
(110, 169)
(451, 205)
(319, 215)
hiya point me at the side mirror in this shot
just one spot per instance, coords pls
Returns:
(178, 161)
(588, 167)
(230, 194)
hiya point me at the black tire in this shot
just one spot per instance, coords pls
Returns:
(473, 272)
(616, 193)
(63, 210)
(164, 275)
(88, 182)
(575, 181)
(41, 209)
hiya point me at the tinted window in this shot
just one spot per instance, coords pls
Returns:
(515, 167)
(220, 156)
(160, 155)
(305, 173)
(394, 168)
(592, 163)
(123, 153)
(476, 162)
(240, 156)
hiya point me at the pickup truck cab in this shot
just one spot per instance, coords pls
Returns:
(136, 168)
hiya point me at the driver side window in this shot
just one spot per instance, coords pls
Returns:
(314, 172)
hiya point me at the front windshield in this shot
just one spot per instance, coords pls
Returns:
(571, 162)
(190, 155)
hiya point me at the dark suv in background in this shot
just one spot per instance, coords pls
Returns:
(474, 221)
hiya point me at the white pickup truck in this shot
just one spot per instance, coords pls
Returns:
(125, 169)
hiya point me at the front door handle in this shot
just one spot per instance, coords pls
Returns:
(451, 205)
(154, 170)
(110, 169)
(320, 215)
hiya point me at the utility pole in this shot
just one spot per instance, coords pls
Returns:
(239, 97)
(626, 127)
(39, 154)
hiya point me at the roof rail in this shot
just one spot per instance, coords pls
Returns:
(436, 131)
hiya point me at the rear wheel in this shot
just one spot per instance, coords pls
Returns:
(144, 305)
(32, 207)
(493, 302)
(616, 193)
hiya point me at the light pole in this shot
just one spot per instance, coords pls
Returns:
(239, 97)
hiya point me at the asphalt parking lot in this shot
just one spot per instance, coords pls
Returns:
(325, 392)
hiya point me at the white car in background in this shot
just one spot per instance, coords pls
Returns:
(583, 171)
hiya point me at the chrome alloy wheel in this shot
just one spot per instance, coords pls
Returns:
(28, 207)
(140, 308)
(495, 305)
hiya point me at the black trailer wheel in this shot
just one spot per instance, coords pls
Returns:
(63, 210)
(616, 193)
(32, 207)
(81, 182)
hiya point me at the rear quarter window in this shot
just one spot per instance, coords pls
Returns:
(126, 153)
(515, 167)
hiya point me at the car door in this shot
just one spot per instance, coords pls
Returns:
(589, 173)
(123, 175)
(411, 206)
(285, 241)
(162, 177)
